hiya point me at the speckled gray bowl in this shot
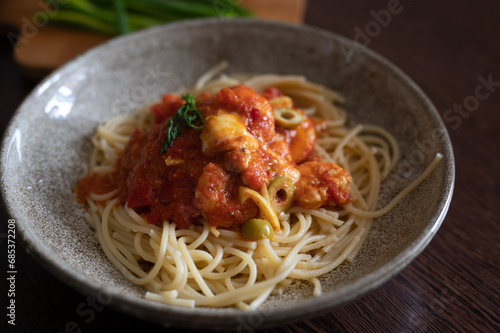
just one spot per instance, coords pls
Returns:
(46, 149)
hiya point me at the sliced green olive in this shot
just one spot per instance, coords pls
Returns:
(281, 193)
(288, 118)
(256, 229)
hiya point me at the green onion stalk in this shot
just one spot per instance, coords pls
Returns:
(114, 17)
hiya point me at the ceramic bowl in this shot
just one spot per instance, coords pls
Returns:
(46, 149)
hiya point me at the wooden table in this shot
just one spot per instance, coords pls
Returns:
(453, 286)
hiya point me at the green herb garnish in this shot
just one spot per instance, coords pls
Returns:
(186, 114)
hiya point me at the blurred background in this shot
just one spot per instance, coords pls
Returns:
(449, 49)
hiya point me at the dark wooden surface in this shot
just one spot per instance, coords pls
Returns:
(453, 286)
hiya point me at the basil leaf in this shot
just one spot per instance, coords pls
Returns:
(186, 114)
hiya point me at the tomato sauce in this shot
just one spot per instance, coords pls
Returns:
(93, 183)
(201, 172)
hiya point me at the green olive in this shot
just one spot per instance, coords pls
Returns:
(288, 118)
(281, 193)
(256, 229)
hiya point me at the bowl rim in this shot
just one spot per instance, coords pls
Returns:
(230, 317)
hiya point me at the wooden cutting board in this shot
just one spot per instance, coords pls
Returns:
(40, 49)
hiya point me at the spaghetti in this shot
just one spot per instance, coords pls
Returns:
(214, 266)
